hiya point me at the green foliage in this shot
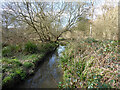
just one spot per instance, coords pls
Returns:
(16, 64)
(16, 61)
(60, 85)
(13, 75)
(38, 58)
(95, 82)
(47, 47)
(6, 51)
(7, 79)
(21, 73)
(10, 50)
(31, 47)
(90, 64)
(90, 40)
(28, 65)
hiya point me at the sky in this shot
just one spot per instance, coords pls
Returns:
(97, 4)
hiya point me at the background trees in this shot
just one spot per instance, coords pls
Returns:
(47, 21)
(106, 25)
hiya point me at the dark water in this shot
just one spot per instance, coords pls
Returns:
(48, 74)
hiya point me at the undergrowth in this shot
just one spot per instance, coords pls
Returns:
(91, 64)
(19, 61)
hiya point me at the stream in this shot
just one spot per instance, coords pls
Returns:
(48, 74)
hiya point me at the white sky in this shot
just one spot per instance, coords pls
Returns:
(98, 3)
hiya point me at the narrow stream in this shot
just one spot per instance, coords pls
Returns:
(48, 74)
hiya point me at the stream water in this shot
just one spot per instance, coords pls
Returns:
(48, 74)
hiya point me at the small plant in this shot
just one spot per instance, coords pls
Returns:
(10, 50)
(60, 85)
(47, 47)
(21, 73)
(31, 47)
(27, 64)
(7, 79)
(90, 40)
(17, 62)
(90, 64)
(6, 51)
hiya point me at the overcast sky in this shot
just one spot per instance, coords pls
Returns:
(97, 5)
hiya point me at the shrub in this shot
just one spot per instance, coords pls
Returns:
(10, 50)
(7, 79)
(85, 66)
(47, 47)
(31, 47)
(28, 64)
(21, 73)
(6, 51)
(16, 62)
(90, 40)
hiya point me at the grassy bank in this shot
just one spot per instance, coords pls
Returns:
(91, 64)
(19, 62)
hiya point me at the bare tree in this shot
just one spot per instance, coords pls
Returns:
(47, 19)
(106, 25)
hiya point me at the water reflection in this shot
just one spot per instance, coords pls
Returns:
(48, 75)
(60, 50)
